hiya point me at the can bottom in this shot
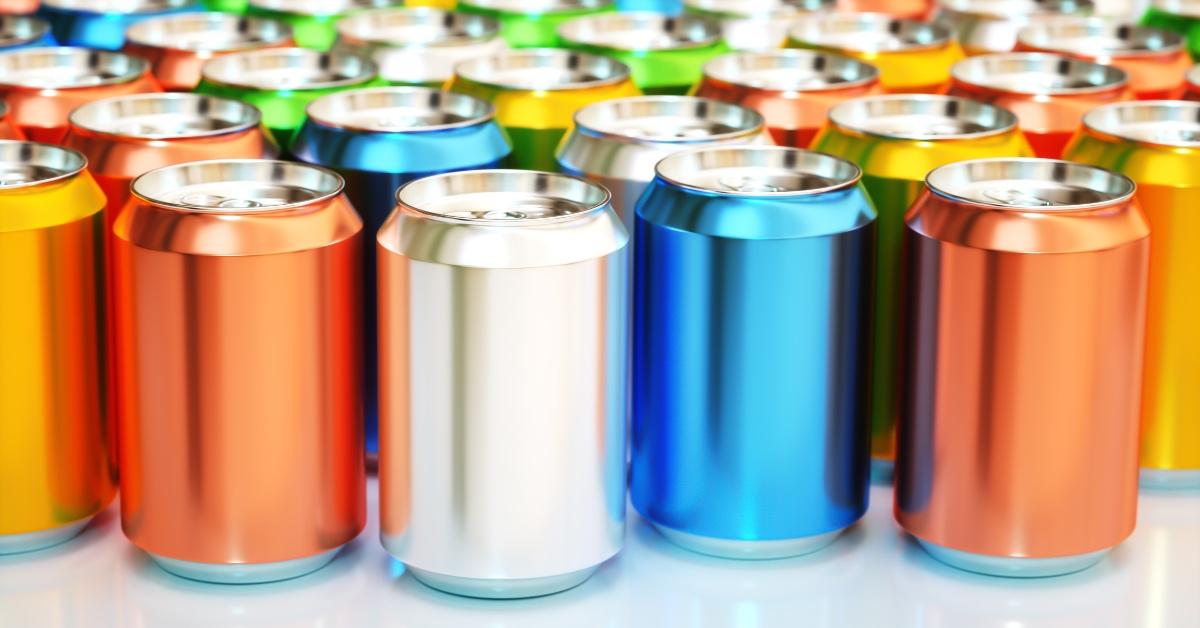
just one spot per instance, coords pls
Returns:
(882, 471)
(501, 588)
(42, 539)
(1012, 567)
(748, 550)
(1173, 479)
(246, 573)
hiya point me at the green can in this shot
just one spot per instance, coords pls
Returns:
(534, 23)
(236, 7)
(313, 23)
(666, 54)
(1179, 16)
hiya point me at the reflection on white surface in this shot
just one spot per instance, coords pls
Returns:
(873, 576)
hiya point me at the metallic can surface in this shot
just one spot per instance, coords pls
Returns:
(756, 24)
(533, 23)
(664, 54)
(792, 89)
(237, 299)
(23, 31)
(8, 130)
(1178, 16)
(1157, 144)
(56, 464)
(419, 46)
(1154, 59)
(101, 24)
(1192, 89)
(537, 92)
(178, 46)
(474, 375)
(751, 350)
(1025, 325)
(987, 26)
(313, 22)
(43, 85)
(897, 140)
(1049, 93)
(378, 140)
(911, 56)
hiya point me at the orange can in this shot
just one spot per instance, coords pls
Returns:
(8, 130)
(903, 9)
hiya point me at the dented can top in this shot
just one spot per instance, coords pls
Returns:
(399, 110)
(867, 32)
(237, 186)
(1098, 37)
(758, 171)
(1167, 123)
(543, 69)
(1037, 73)
(68, 67)
(536, 6)
(21, 30)
(28, 164)
(756, 8)
(417, 26)
(922, 117)
(208, 32)
(1030, 185)
(319, 7)
(641, 31)
(791, 70)
(165, 116)
(117, 6)
(289, 69)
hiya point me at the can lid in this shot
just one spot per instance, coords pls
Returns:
(18, 30)
(536, 6)
(165, 116)
(289, 68)
(26, 164)
(66, 67)
(1098, 37)
(1027, 184)
(757, 8)
(543, 69)
(1037, 73)
(399, 110)
(1189, 8)
(791, 70)
(319, 7)
(641, 30)
(867, 32)
(515, 198)
(922, 117)
(208, 31)
(237, 186)
(1008, 9)
(417, 26)
(116, 6)
(757, 171)
(668, 119)
(1160, 122)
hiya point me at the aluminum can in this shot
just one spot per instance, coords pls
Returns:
(475, 375)
(1192, 87)
(419, 46)
(987, 26)
(236, 7)
(897, 140)
(1157, 144)
(57, 469)
(23, 31)
(616, 143)
(756, 24)
(101, 24)
(1154, 59)
(379, 139)
(313, 22)
(8, 130)
(792, 89)
(537, 92)
(43, 85)
(533, 23)
(752, 262)
(237, 283)
(667, 7)
(1178, 16)
(281, 82)
(178, 46)
(19, 7)
(911, 56)
(1025, 323)
(1049, 93)
(902, 9)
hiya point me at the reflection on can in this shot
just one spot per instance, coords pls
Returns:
(23, 31)
(313, 23)
(533, 23)
(101, 23)
(178, 46)
(756, 24)
(986, 26)
(1178, 16)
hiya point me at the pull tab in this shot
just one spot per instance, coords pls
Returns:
(748, 184)
(1016, 198)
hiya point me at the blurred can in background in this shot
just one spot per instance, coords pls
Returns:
(43, 85)
(19, 7)
(897, 140)
(1192, 87)
(537, 92)
(668, 7)
(238, 311)
(664, 54)
(503, 338)
(1025, 325)
(379, 139)
(178, 46)
(1178, 16)
(8, 130)
(57, 469)
(101, 24)
(911, 56)
(418, 46)
(313, 22)
(533, 23)
(792, 89)
(236, 7)
(987, 26)
(756, 24)
(23, 31)
(1048, 92)
(903, 9)
(1157, 144)
(752, 327)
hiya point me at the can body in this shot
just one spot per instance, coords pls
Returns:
(23, 31)
(903, 9)
(8, 130)
(469, 293)
(178, 46)
(1170, 16)
(75, 24)
(236, 7)
(529, 29)
(56, 450)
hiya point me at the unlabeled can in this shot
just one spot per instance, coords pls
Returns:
(24, 31)
(1179, 16)
(503, 377)
(756, 24)
(101, 24)
(911, 56)
(313, 22)
(419, 46)
(752, 326)
(792, 89)
(379, 139)
(537, 92)
(178, 46)
(1157, 144)
(897, 140)
(8, 130)
(237, 298)
(1025, 323)
(43, 85)
(533, 23)
(1048, 92)
(56, 450)
(987, 26)
(617, 143)
(664, 54)
(1154, 59)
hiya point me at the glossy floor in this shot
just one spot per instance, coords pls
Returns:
(871, 577)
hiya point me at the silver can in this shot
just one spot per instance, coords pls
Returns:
(984, 26)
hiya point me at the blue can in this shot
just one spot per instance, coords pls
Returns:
(379, 139)
(670, 7)
(23, 31)
(102, 23)
(752, 310)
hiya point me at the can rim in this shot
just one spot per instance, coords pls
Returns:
(547, 6)
(717, 106)
(1039, 7)
(839, 114)
(541, 182)
(973, 71)
(143, 33)
(77, 165)
(488, 28)
(713, 68)
(136, 67)
(470, 70)
(811, 30)
(79, 117)
(1046, 36)
(722, 8)
(120, 7)
(790, 156)
(32, 29)
(367, 69)
(702, 32)
(1186, 8)
(1095, 120)
(310, 8)
(324, 196)
(312, 111)
(1056, 166)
